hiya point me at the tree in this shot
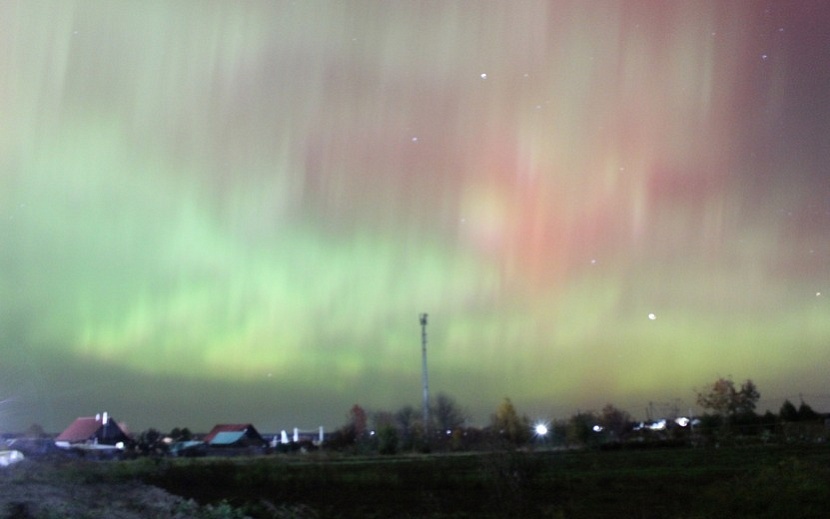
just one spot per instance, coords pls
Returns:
(748, 398)
(34, 431)
(614, 421)
(151, 442)
(406, 419)
(806, 413)
(181, 434)
(579, 427)
(357, 420)
(387, 433)
(723, 399)
(768, 422)
(353, 433)
(507, 424)
(447, 413)
(788, 412)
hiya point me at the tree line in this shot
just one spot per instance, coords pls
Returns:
(729, 416)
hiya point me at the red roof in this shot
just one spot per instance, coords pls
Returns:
(86, 428)
(81, 429)
(226, 427)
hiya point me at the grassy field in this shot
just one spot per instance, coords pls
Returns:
(760, 481)
(679, 482)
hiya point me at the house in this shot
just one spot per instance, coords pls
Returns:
(234, 435)
(98, 430)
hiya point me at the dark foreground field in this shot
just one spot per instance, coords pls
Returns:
(675, 483)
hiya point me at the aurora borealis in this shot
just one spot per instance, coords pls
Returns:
(235, 211)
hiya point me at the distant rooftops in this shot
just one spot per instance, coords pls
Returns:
(234, 435)
(93, 429)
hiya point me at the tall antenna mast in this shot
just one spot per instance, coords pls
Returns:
(425, 377)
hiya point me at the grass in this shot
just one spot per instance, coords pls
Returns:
(658, 483)
(760, 481)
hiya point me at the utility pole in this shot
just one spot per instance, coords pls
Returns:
(425, 377)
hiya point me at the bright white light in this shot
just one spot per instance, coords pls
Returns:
(597, 428)
(652, 317)
(658, 425)
(483, 76)
(682, 421)
(9, 457)
(541, 429)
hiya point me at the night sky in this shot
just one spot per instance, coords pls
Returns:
(236, 211)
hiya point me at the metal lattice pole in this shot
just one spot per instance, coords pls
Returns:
(425, 376)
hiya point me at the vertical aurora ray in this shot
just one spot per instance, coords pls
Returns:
(264, 196)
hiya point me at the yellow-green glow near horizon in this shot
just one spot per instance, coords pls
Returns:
(594, 201)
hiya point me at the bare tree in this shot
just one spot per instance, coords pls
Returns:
(354, 431)
(614, 420)
(723, 399)
(407, 421)
(447, 414)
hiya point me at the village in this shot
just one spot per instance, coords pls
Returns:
(238, 471)
(102, 437)
(731, 420)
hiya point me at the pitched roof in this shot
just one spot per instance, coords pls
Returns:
(81, 429)
(225, 427)
(86, 428)
(227, 437)
(227, 434)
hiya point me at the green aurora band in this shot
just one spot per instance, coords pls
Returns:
(235, 211)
